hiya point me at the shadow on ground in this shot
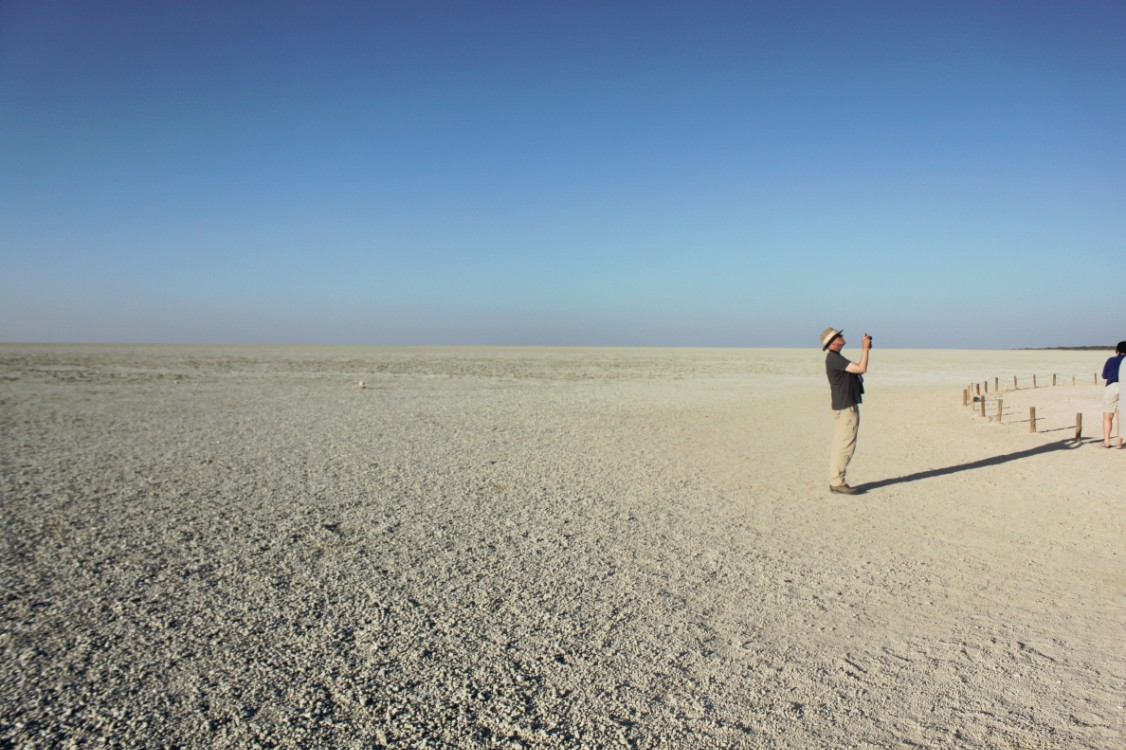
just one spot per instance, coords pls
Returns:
(983, 463)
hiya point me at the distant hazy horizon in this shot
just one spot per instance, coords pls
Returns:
(312, 345)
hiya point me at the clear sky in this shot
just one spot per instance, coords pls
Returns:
(941, 174)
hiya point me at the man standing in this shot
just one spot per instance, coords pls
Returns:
(846, 385)
(1110, 394)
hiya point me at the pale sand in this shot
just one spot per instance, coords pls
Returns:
(238, 547)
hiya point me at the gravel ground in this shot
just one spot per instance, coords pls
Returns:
(557, 548)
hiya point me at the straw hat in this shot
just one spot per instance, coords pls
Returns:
(827, 337)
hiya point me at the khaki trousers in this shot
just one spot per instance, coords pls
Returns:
(846, 426)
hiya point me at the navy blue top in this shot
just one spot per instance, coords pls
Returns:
(1110, 369)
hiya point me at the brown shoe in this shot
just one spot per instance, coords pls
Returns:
(843, 489)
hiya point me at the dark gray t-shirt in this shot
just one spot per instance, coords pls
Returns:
(847, 388)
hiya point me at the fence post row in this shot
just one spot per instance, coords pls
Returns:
(968, 392)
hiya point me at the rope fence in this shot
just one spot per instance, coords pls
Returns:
(977, 396)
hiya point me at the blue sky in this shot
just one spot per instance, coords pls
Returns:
(941, 174)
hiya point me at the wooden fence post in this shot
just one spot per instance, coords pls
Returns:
(1078, 426)
(1014, 382)
(1034, 381)
(1053, 378)
(1032, 419)
(983, 407)
(998, 411)
(997, 384)
(965, 396)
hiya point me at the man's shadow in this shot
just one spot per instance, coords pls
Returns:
(995, 460)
